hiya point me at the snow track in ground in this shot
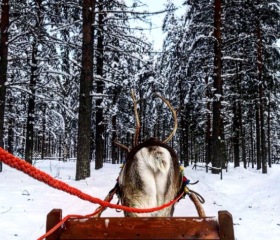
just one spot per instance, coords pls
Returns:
(251, 197)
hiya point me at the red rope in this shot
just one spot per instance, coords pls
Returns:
(41, 176)
(64, 220)
(96, 213)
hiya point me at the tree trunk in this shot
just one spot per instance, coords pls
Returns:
(261, 100)
(252, 143)
(11, 136)
(43, 131)
(268, 134)
(187, 158)
(208, 140)
(99, 137)
(66, 141)
(49, 144)
(242, 135)
(29, 141)
(92, 140)
(236, 123)
(258, 145)
(218, 145)
(236, 135)
(114, 151)
(241, 129)
(11, 126)
(3, 65)
(85, 98)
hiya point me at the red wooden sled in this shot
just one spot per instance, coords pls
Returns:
(142, 227)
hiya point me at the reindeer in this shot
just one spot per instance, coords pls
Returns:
(151, 174)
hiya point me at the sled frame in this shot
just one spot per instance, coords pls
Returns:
(142, 227)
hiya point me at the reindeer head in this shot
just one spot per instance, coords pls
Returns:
(138, 126)
(151, 174)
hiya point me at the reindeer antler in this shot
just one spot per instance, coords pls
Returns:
(137, 128)
(122, 146)
(174, 113)
(137, 120)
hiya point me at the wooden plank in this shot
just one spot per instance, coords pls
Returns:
(226, 225)
(141, 228)
(53, 218)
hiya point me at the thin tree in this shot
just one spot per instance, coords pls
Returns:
(85, 99)
(218, 149)
(99, 136)
(31, 106)
(34, 77)
(261, 95)
(3, 66)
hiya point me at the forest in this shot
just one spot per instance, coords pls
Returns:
(67, 69)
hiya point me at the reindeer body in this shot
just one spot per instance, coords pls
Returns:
(150, 178)
(151, 175)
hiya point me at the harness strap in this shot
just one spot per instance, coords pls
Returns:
(108, 198)
(197, 204)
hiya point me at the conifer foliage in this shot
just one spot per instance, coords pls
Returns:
(229, 62)
(67, 68)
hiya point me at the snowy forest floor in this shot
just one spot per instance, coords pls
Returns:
(251, 197)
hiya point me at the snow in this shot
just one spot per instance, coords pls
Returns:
(251, 197)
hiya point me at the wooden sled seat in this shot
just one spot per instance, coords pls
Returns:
(142, 227)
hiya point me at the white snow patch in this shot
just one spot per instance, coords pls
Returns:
(107, 221)
(250, 196)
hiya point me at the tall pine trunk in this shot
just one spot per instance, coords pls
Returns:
(258, 145)
(236, 134)
(208, 140)
(218, 145)
(268, 133)
(236, 123)
(261, 99)
(85, 98)
(114, 137)
(44, 106)
(240, 115)
(29, 139)
(252, 143)
(66, 141)
(3, 65)
(11, 126)
(242, 134)
(99, 136)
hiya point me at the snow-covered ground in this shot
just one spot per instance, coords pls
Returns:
(251, 197)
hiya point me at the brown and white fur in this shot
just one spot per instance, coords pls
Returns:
(150, 178)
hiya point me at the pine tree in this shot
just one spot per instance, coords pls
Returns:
(85, 99)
